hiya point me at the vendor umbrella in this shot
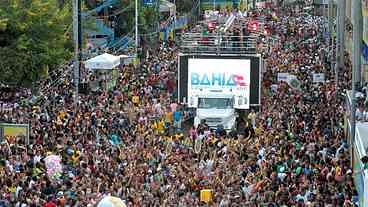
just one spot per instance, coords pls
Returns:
(110, 201)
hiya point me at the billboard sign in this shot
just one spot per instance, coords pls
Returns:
(220, 76)
(13, 133)
(282, 77)
(225, 75)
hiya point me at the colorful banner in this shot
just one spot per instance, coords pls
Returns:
(167, 29)
(53, 166)
(12, 133)
(181, 22)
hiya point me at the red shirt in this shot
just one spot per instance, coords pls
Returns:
(50, 204)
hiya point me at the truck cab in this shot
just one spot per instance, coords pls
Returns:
(216, 110)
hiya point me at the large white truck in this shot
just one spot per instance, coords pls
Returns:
(217, 89)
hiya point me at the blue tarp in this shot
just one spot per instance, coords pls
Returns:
(365, 51)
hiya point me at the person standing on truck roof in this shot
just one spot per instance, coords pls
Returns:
(252, 117)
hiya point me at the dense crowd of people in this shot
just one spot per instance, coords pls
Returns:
(129, 141)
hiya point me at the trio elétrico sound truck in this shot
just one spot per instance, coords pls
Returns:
(219, 87)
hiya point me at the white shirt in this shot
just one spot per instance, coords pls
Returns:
(359, 114)
(36, 159)
(31, 183)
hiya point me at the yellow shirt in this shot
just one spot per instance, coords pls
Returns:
(12, 189)
(141, 128)
(160, 126)
(154, 126)
(62, 114)
(168, 116)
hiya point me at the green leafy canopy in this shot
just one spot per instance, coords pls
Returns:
(33, 38)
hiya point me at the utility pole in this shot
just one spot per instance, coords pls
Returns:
(357, 54)
(357, 40)
(342, 14)
(174, 33)
(337, 41)
(330, 19)
(340, 31)
(77, 35)
(136, 28)
(333, 33)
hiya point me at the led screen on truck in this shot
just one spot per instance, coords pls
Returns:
(219, 76)
(219, 70)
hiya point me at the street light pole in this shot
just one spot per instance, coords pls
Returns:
(342, 14)
(330, 19)
(77, 42)
(340, 40)
(357, 54)
(337, 43)
(136, 28)
(357, 40)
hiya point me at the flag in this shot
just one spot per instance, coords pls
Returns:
(198, 145)
(206, 195)
(293, 82)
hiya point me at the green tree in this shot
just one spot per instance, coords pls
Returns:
(33, 38)
(148, 19)
(125, 15)
(184, 6)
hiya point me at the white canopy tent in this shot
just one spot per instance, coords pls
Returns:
(166, 6)
(103, 62)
